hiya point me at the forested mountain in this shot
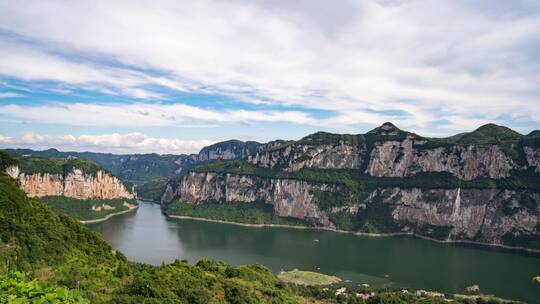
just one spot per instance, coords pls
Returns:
(482, 186)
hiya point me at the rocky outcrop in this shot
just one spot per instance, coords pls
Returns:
(490, 216)
(483, 215)
(75, 184)
(296, 157)
(533, 157)
(234, 149)
(290, 198)
(499, 202)
(467, 162)
(393, 158)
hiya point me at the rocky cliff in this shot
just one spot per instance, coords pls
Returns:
(234, 149)
(290, 198)
(388, 151)
(74, 183)
(481, 186)
(491, 216)
(142, 168)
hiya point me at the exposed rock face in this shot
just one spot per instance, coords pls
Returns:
(291, 198)
(394, 158)
(296, 157)
(467, 162)
(533, 157)
(234, 149)
(482, 215)
(503, 212)
(485, 215)
(75, 184)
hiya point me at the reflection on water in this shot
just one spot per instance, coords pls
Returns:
(147, 236)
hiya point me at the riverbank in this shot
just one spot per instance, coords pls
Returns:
(183, 217)
(368, 234)
(110, 215)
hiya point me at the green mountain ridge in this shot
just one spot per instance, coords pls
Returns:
(71, 264)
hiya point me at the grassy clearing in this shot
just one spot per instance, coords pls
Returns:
(310, 278)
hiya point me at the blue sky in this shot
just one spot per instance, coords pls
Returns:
(172, 76)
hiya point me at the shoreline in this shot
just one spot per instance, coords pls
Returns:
(356, 233)
(109, 216)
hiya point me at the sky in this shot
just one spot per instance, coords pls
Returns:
(170, 76)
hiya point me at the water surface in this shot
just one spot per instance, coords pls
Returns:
(147, 236)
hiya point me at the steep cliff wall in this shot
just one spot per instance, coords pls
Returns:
(482, 186)
(467, 162)
(75, 184)
(299, 156)
(291, 198)
(491, 216)
(533, 157)
(395, 158)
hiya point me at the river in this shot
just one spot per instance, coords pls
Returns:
(147, 236)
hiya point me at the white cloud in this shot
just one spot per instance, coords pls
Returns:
(116, 143)
(9, 95)
(142, 114)
(429, 59)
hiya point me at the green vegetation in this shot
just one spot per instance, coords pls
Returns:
(33, 165)
(51, 165)
(249, 213)
(300, 277)
(352, 186)
(535, 133)
(15, 289)
(85, 165)
(486, 134)
(61, 261)
(356, 181)
(61, 252)
(322, 138)
(234, 145)
(7, 160)
(136, 168)
(151, 190)
(82, 209)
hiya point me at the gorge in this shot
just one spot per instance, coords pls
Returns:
(482, 186)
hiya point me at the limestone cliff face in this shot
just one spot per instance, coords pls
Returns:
(233, 149)
(396, 159)
(296, 157)
(467, 162)
(75, 184)
(487, 215)
(533, 157)
(291, 198)
(500, 163)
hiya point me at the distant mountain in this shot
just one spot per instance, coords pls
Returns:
(135, 168)
(142, 168)
(535, 133)
(486, 134)
(150, 172)
(482, 186)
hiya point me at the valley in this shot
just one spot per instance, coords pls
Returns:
(352, 206)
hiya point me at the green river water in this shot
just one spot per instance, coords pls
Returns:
(148, 236)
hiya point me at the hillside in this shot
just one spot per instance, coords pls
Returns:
(149, 172)
(75, 186)
(70, 264)
(480, 187)
(135, 168)
(486, 134)
(61, 251)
